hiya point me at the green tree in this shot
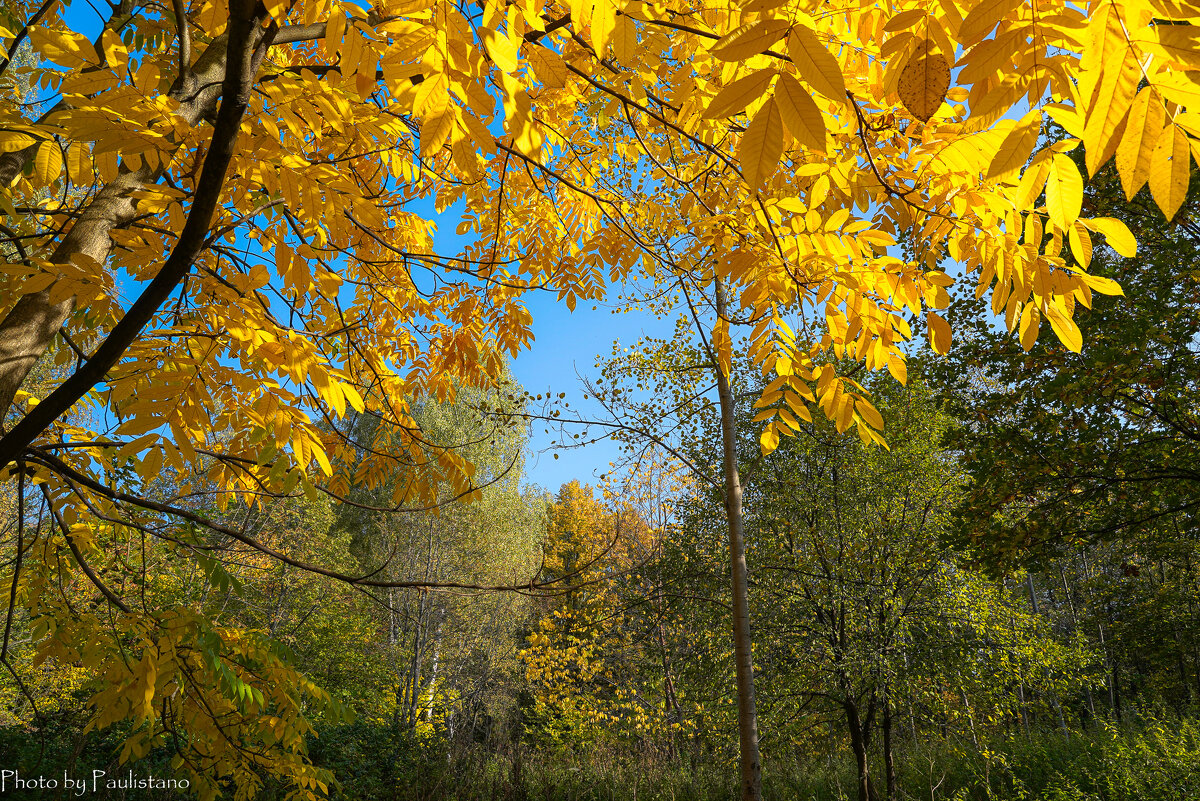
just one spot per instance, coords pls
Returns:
(1065, 448)
(452, 655)
(863, 612)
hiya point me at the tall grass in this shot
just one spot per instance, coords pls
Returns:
(1158, 760)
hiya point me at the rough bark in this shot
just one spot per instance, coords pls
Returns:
(751, 767)
(28, 329)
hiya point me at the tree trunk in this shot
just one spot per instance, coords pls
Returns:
(1068, 592)
(1116, 689)
(668, 682)
(226, 69)
(743, 659)
(431, 684)
(889, 761)
(414, 668)
(28, 329)
(1114, 693)
(970, 715)
(859, 742)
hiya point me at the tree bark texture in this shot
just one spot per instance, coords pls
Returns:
(889, 760)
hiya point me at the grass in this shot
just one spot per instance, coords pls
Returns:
(1157, 761)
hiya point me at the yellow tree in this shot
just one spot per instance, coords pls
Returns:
(221, 208)
(582, 659)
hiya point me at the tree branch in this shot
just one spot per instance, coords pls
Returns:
(239, 76)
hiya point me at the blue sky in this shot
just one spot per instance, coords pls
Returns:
(565, 347)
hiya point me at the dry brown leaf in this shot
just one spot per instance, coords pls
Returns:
(924, 81)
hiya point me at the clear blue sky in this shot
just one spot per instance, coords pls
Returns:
(565, 347)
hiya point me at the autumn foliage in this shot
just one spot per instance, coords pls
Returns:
(220, 226)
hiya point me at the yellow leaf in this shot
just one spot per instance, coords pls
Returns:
(749, 40)
(797, 405)
(65, 48)
(335, 29)
(844, 410)
(1032, 180)
(1064, 327)
(1142, 130)
(924, 80)
(1179, 87)
(1168, 170)
(869, 413)
(1016, 148)
(1081, 243)
(1031, 319)
(1068, 118)
(436, 129)
(1108, 106)
(405, 7)
(939, 333)
(432, 96)
(47, 164)
(502, 49)
(409, 47)
(151, 464)
(800, 113)
(761, 145)
(318, 452)
(550, 69)
(983, 17)
(10, 142)
(604, 22)
(739, 94)
(1105, 286)
(769, 440)
(115, 51)
(906, 20)
(825, 380)
(816, 64)
(624, 39)
(1180, 43)
(89, 82)
(1064, 191)
(149, 671)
